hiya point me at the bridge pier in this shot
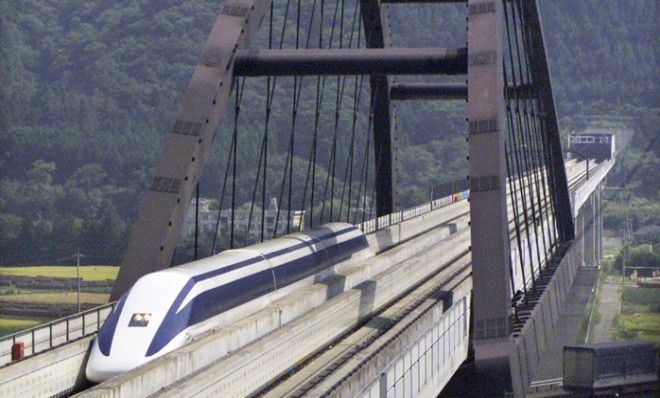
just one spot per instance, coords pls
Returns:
(588, 233)
(599, 223)
(589, 227)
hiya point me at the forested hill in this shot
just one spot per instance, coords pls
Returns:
(89, 89)
(602, 54)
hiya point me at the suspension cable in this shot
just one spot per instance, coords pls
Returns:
(517, 149)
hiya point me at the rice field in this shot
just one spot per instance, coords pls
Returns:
(9, 325)
(57, 297)
(645, 326)
(87, 272)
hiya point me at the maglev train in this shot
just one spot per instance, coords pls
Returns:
(167, 308)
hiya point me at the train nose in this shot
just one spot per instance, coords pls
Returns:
(98, 373)
(101, 368)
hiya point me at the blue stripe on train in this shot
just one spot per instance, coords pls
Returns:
(107, 331)
(276, 253)
(225, 297)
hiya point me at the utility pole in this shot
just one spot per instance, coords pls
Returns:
(587, 168)
(579, 153)
(78, 255)
(627, 234)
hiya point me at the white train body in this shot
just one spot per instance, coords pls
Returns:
(165, 309)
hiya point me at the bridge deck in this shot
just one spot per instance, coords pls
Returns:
(399, 238)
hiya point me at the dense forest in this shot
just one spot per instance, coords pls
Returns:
(89, 90)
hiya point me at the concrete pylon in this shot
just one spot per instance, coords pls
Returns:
(488, 211)
(599, 224)
(589, 231)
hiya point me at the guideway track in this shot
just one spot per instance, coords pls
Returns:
(193, 383)
(318, 374)
(306, 376)
(241, 373)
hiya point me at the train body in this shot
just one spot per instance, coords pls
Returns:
(165, 309)
(594, 145)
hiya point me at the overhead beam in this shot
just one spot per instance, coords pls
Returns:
(428, 91)
(446, 91)
(377, 61)
(422, 1)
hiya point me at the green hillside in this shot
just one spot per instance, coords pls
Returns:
(90, 88)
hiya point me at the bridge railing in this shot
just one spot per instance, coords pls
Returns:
(546, 385)
(441, 195)
(52, 334)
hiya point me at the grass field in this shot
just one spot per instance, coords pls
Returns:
(87, 272)
(639, 318)
(67, 297)
(645, 326)
(640, 295)
(11, 325)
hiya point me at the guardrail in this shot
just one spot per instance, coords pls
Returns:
(52, 334)
(546, 385)
(452, 192)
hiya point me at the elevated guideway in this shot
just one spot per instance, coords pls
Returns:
(314, 346)
(419, 280)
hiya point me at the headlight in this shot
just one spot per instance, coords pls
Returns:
(140, 319)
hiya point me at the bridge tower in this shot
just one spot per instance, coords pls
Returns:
(515, 157)
(232, 51)
(488, 191)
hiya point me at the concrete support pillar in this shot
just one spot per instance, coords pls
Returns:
(590, 232)
(579, 235)
(488, 213)
(599, 224)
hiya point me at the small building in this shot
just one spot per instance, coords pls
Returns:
(647, 234)
(599, 145)
(208, 219)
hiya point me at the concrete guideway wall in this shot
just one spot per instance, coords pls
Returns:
(528, 348)
(51, 373)
(421, 359)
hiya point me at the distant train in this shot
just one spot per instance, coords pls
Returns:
(165, 309)
(594, 145)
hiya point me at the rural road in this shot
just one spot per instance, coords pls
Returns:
(608, 308)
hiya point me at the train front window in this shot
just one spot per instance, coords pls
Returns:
(140, 319)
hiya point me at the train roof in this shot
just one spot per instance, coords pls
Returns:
(229, 257)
